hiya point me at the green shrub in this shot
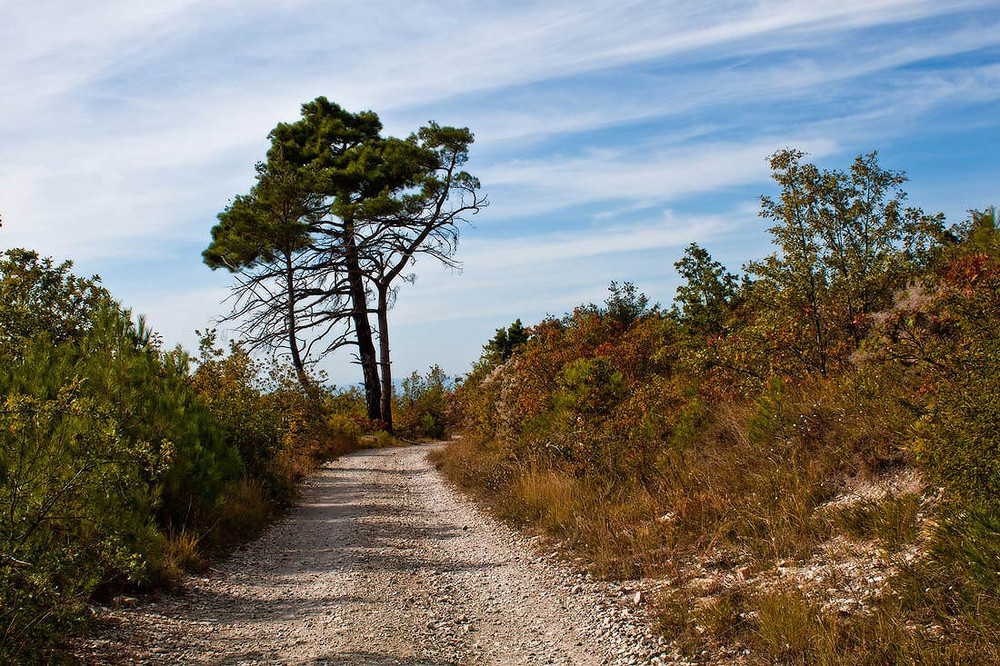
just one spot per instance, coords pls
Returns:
(118, 465)
(423, 405)
(588, 388)
(78, 484)
(944, 332)
(38, 297)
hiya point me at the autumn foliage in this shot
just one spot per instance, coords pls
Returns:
(726, 427)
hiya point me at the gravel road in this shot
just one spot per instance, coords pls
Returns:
(384, 563)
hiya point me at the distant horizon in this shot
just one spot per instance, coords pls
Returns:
(609, 136)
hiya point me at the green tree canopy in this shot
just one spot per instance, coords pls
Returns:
(842, 239)
(506, 341)
(336, 216)
(708, 293)
(626, 303)
(38, 296)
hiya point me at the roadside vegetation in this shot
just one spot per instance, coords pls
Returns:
(805, 455)
(123, 464)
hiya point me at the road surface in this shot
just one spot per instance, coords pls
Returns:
(383, 562)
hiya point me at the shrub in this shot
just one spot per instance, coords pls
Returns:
(38, 297)
(423, 405)
(720, 434)
(589, 388)
(79, 481)
(943, 332)
(118, 466)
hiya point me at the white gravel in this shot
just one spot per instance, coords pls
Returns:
(384, 563)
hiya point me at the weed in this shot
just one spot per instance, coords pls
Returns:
(892, 520)
(180, 553)
(787, 625)
(244, 512)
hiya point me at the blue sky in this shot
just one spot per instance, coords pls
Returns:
(609, 134)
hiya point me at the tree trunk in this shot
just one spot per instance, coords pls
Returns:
(362, 327)
(293, 343)
(383, 341)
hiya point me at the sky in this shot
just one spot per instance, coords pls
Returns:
(609, 135)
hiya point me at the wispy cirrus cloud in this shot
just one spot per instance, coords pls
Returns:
(125, 126)
(633, 174)
(679, 93)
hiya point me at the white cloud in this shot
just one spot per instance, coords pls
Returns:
(681, 92)
(98, 170)
(543, 41)
(52, 49)
(126, 126)
(543, 185)
(504, 276)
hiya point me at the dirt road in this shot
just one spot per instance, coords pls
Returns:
(384, 563)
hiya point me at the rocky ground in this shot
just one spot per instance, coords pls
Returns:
(384, 563)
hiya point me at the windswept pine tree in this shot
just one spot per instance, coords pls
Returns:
(338, 214)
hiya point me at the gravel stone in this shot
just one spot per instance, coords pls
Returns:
(383, 563)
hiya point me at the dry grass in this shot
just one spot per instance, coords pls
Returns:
(244, 513)
(787, 626)
(617, 529)
(753, 496)
(546, 498)
(382, 440)
(181, 553)
(783, 625)
(892, 521)
(761, 488)
(246, 509)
